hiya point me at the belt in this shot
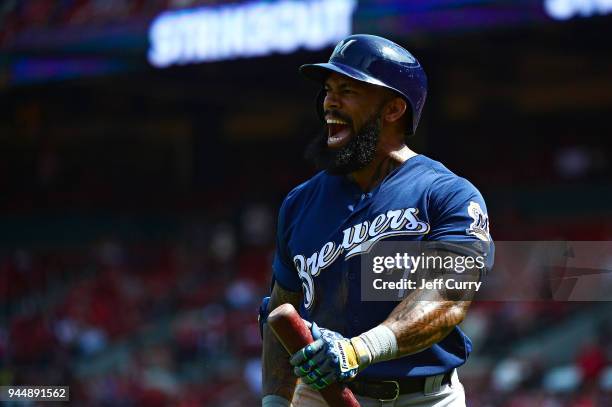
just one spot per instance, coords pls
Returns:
(386, 390)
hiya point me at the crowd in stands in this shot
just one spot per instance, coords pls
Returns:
(134, 324)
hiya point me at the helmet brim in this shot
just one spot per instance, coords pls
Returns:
(320, 72)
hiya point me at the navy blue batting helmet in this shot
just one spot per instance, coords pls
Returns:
(378, 61)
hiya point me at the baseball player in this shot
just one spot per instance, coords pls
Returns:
(371, 185)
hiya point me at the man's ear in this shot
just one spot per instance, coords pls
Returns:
(395, 109)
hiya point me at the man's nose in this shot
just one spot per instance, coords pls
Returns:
(331, 101)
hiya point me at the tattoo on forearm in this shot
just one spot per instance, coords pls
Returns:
(419, 322)
(277, 375)
(427, 316)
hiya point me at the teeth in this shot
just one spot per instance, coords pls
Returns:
(335, 121)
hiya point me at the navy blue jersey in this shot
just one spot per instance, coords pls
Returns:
(322, 224)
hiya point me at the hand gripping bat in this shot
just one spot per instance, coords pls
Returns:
(293, 334)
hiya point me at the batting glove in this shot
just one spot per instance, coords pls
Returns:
(330, 358)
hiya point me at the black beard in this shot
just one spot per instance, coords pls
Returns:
(355, 155)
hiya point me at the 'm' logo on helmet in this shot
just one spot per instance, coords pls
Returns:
(341, 47)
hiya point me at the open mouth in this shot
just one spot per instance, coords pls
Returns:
(338, 133)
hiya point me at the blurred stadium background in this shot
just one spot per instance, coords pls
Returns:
(140, 184)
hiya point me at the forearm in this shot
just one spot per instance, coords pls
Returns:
(278, 378)
(427, 316)
(424, 319)
(277, 372)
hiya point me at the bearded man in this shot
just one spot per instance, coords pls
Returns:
(371, 187)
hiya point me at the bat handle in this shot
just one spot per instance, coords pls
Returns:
(293, 334)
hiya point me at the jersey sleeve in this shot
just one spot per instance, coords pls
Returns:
(458, 214)
(284, 271)
(457, 211)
